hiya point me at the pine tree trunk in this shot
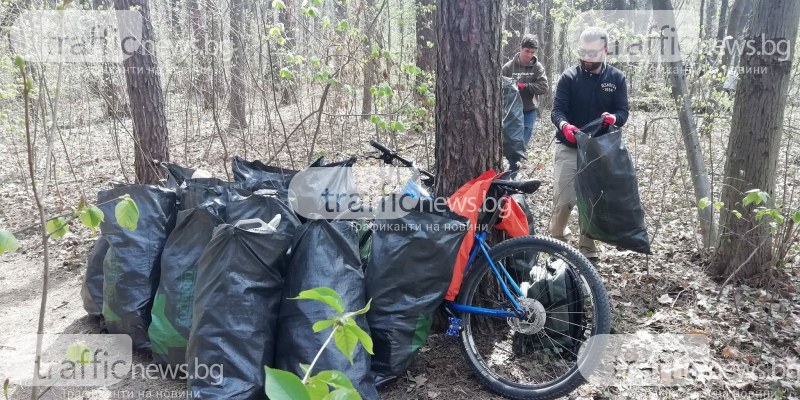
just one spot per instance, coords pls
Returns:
(754, 144)
(468, 91)
(150, 132)
(238, 101)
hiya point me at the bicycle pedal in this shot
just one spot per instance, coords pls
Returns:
(455, 327)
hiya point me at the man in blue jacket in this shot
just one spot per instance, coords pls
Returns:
(586, 92)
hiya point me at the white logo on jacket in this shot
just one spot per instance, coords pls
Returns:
(608, 87)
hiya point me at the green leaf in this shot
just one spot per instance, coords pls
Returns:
(317, 389)
(57, 228)
(281, 40)
(320, 326)
(422, 89)
(363, 310)
(336, 379)
(317, 3)
(352, 328)
(718, 205)
(325, 295)
(20, 63)
(5, 388)
(8, 243)
(127, 214)
(278, 5)
(311, 12)
(703, 203)
(737, 214)
(796, 217)
(79, 353)
(274, 31)
(343, 25)
(375, 52)
(305, 368)
(343, 394)
(397, 126)
(286, 74)
(346, 341)
(755, 196)
(282, 385)
(91, 217)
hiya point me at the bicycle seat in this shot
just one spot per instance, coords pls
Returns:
(526, 187)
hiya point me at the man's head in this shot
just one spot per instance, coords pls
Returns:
(528, 48)
(592, 48)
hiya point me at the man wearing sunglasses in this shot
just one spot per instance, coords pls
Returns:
(531, 80)
(586, 92)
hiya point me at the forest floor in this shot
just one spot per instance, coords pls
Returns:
(754, 334)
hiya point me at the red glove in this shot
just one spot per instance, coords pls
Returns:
(569, 132)
(521, 86)
(608, 119)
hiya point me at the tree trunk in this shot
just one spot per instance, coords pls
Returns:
(371, 66)
(468, 91)
(723, 20)
(109, 88)
(151, 137)
(203, 81)
(754, 144)
(426, 52)
(708, 26)
(691, 142)
(238, 101)
(735, 27)
(287, 18)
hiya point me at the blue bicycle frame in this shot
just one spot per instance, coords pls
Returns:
(502, 276)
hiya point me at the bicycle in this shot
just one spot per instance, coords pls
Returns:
(499, 322)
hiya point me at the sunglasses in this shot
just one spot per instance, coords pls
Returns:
(589, 53)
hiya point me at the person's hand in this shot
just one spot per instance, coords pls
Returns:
(521, 86)
(608, 119)
(569, 132)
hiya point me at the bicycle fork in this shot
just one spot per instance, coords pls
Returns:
(503, 278)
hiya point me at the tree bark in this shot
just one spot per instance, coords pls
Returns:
(286, 17)
(203, 81)
(708, 26)
(238, 101)
(426, 51)
(691, 142)
(468, 91)
(723, 20)
(754, 144)
(735, 27)
(151, 136)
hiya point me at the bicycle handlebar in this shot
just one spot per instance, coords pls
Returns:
(391, 155)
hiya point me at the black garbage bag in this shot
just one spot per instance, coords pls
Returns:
(172, 307)
(409, 270)
(275, 177)
(176, 175)
(92, 288)
(236, 303)
(608, 191)
(513, 122)
(323, 254)
(132, 264)
(195, 192)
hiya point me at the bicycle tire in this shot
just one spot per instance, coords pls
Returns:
(601, 313)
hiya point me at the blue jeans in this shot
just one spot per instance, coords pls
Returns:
(529, 123)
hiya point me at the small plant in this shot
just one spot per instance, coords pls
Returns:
(325, 385)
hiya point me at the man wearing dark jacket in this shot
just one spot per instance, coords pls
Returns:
(531, 80)
(586, 92)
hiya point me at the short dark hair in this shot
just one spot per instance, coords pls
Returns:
(594, 33)
(530, 41)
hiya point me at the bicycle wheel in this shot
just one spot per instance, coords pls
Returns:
(543, 356)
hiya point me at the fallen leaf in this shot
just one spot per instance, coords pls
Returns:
(665, 299)
(730, 352)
